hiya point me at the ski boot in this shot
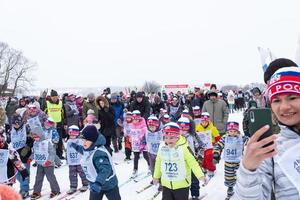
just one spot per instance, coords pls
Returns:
(35, 195)
(54, 194)
(71, 191)
(83, 188)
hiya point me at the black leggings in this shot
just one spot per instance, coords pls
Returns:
(136, 159)
(178, 194)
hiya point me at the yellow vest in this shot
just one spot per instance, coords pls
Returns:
(55, 111)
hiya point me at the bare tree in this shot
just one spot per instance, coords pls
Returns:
(151, 86)
(15, 70)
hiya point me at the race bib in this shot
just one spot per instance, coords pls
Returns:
(4, 153)
(153, 140)
(18, 139)
(41, 153)
(73, 156)
(233, 149)
(289, 162)
(172, 164)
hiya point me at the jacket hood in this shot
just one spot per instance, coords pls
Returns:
(101, 141)
(102, 98)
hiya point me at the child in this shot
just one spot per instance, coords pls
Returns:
(174, 163)
(44, 155)
(164, 120)
(154, 136)
(22, 142)
(195, 144)
(137, 132)
(9, 161)
(126, 128)
(73, 159)
(209, 135)
(197, 115)
(91, 119)
(233, 144)
(97, 165)
(52, 134)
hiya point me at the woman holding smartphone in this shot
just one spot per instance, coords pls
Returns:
(276, 167)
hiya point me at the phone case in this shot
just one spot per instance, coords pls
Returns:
(260, 117)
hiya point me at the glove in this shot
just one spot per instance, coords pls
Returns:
(73, 145)
(216, 158)
(29, 160)
(95, 187)
(24, 173)
(25, 151)
(47, 163)
(215, 161)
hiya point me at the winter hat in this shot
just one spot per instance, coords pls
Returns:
(53, 93)
(232, 126)
(153, 121)
(166, 118)
(90, 112)
(171, 128)
(16, 119)
(114, 96)
(139, 94)
(212, 93)
(205, 116)
(195, 108)
(185, 113)
(136, 114)
(256, 90)
(73, 130)
(284, 81)
(50, 121)
(184, 123)
(277, 64)
(90, 133)
(128, 117)
(252, 103)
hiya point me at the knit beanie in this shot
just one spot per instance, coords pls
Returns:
(90, 133)
(284, 81)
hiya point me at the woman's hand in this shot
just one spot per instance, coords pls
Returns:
(255, 152)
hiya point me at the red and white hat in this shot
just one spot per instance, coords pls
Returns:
(73, 130)
(153, 121)
(232, 126)
(171, 128)
(184, 123)
(205, 116)
(284, 81)
(136, 114)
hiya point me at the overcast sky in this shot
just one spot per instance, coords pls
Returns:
(115, 43)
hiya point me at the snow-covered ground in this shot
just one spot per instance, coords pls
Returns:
(215, 189)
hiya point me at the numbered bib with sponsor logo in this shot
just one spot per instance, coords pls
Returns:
(41, 153)
(153, 140)
(233, 149)
(73, 156)
(135, 140)
(18, 138)
(289, 162)
(172, 164)
(88, 166)
(205, 137)
(4, 153)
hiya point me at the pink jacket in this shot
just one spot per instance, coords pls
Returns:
(137, 132)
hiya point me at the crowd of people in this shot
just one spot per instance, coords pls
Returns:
(181, 137)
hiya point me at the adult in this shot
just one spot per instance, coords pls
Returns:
(106, 116)
(142, 104)
(157, 105)
(217, 110)
(275, 167)
(54, 109)
(175, 109)
(89, 104)
(71, 111)
(118, 107)
(198, 99)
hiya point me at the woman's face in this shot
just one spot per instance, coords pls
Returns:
(101, 104)
(287, 109)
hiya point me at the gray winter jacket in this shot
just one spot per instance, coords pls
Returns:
(71, 113)
(218, 112)
(257, 185)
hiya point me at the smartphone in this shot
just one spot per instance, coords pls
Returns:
(260, 117)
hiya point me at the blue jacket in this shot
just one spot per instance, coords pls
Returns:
(101, 164)
(118, 107)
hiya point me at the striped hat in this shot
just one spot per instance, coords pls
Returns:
(284, 81)
(153, 121)
(171, 128)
